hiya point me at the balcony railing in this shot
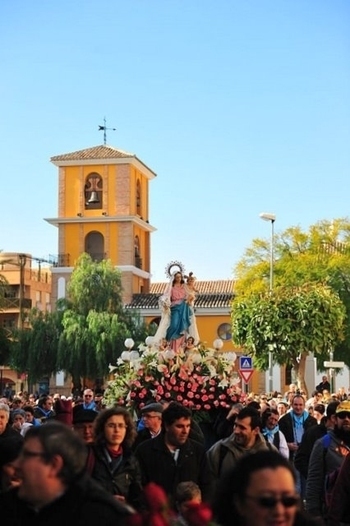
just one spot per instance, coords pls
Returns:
(14, 303)
(62, 260)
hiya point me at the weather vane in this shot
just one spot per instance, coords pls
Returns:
(104, 128)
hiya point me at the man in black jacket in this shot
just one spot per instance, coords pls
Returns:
(173, 457)
(302, 456)
(293, 425)
(54, 487)
(324, 385)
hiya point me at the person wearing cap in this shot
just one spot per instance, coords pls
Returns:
(83, 423)
(151, 416)
(325, 459)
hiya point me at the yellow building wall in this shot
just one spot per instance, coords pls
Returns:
(119, 198)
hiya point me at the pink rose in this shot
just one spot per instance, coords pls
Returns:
(198, 514)
(155, 496)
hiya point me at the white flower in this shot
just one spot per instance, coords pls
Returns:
(223, 383)
(196, 358)
(212, 370)
(169, 354)
(230, 356)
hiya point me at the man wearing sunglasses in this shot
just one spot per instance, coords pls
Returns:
(88, 400)
(327, 455)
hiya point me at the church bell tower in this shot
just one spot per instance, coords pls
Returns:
(103, 210)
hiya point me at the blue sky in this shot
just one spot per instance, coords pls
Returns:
(239, 106)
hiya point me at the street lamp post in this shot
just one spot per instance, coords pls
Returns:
(272, 218)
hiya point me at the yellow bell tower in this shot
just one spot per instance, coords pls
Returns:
(103, 210)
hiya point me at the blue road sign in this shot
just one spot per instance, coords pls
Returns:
(245, 363)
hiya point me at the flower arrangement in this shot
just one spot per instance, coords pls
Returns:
(201, 379)
(159, 512)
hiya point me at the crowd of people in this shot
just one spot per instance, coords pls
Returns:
(266, 458)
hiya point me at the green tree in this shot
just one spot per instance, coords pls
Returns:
(95, 286)
(291, 323)
(34, 350)
(320, 255)
(95, 323)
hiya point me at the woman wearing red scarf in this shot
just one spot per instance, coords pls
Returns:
(110, 460)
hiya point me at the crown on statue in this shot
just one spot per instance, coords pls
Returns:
(179, 267)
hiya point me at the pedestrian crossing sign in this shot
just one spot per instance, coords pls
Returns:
(245, 363)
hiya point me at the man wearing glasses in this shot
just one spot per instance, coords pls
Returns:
(55, 488)
(151, 416)
(88, 400)
(327, 455)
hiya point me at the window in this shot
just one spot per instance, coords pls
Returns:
(224, 331)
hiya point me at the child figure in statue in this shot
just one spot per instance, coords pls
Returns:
(192, 293)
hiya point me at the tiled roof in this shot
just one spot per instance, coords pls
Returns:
(96, 152)
(211, 294)
(221, 286)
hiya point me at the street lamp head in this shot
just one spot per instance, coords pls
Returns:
(218, 344)
(266, 216)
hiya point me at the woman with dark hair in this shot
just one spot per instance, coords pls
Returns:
(260, 491)
(110, 459)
